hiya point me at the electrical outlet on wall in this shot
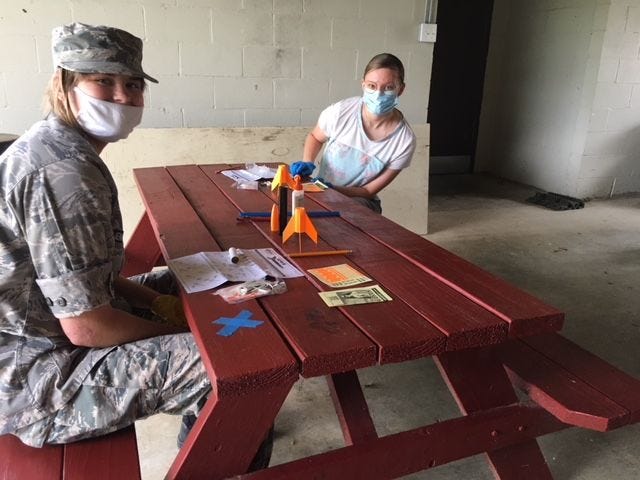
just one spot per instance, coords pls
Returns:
(428, 32)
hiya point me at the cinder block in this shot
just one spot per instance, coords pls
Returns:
(210, 59)
(293, 7)
(271, 62)
(604, 143)
(608, 70)
(323, 63)
(25, 92)
(179, 24)
(236, 92)
(161, 57)
(294, 31)
(128, 16)
(201, 118)
(617, 17)
(629, 71)
(301, 93)
(181, 92)
(348, 32)
(273, 118)
(246, 27)
(18, 120)
(398, 11)
(623, 118)
(21, 56)
(331, 8)
(612, 95)
(161, 117)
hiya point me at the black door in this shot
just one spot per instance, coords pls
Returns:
(457, 77)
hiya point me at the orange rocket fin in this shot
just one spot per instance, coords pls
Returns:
(282, 178)
(300, 223)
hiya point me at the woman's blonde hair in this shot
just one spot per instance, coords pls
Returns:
(56, 98)
(386, 60)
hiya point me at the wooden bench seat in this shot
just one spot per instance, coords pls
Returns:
(111, 457)
(576, 386)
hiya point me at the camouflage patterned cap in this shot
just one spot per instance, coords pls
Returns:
(97, 49)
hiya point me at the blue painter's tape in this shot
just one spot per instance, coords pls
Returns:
(232, 325)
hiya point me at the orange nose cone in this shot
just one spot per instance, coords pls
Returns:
(275, 217)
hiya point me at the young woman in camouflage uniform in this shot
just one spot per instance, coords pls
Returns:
(77, 357)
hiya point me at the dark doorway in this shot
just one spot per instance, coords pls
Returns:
(457, 77)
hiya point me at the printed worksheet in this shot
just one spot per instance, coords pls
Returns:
(355, 296)
(206, 270)
(250, 173)
(342, 275)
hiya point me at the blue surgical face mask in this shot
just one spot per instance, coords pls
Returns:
(379, 102)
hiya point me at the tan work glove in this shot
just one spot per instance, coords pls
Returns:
(169, 308)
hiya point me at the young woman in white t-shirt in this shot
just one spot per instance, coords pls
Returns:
(367, 139)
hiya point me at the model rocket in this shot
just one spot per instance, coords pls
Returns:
(300, 223)
(282, 180)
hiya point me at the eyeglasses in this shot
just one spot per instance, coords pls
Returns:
(386, 90)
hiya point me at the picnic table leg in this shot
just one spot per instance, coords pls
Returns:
(478, 382)
(227, 434)
(351, 407)
(142, 252)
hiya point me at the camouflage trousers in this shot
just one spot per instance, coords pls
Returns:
(132, 381)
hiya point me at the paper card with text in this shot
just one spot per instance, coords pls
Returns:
(342, 275)
(354, 296)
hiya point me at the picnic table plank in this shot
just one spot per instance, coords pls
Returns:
(351, 407)
(559, 391)
(620, 387)
(397, 329)
(465, 323)
(265, 357)
(44, 463)
(227, 434)
(526, 314)
(140, 254)
(479, 383)
(398, 454)
(121, 461)
(322, 338)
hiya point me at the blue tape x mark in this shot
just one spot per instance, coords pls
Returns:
(231, 325)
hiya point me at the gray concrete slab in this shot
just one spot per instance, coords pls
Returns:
(585, 262)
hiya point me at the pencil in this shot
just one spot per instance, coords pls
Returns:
(312, 214)
(319, 253)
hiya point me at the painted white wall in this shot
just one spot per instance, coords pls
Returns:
(559, 110)
(225, 63)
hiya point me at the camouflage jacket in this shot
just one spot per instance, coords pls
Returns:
(60, 248)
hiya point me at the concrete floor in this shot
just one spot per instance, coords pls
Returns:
(585, 262)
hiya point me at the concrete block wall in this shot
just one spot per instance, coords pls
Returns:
(561, 109)
(612, 148)
(230, 63)
(225, 63)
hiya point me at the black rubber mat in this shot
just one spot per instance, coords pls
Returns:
(555, 201)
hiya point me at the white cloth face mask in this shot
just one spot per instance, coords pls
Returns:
(106, 121)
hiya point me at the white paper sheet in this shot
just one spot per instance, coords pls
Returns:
(206, 270)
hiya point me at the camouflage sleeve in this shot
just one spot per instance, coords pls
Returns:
(66, 218)
(76, 292)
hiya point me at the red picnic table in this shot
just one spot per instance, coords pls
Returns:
(485, 335)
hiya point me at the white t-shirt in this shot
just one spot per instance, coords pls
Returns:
(350, 158)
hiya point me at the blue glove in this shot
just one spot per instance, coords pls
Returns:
(304, 169)
(322, 181)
